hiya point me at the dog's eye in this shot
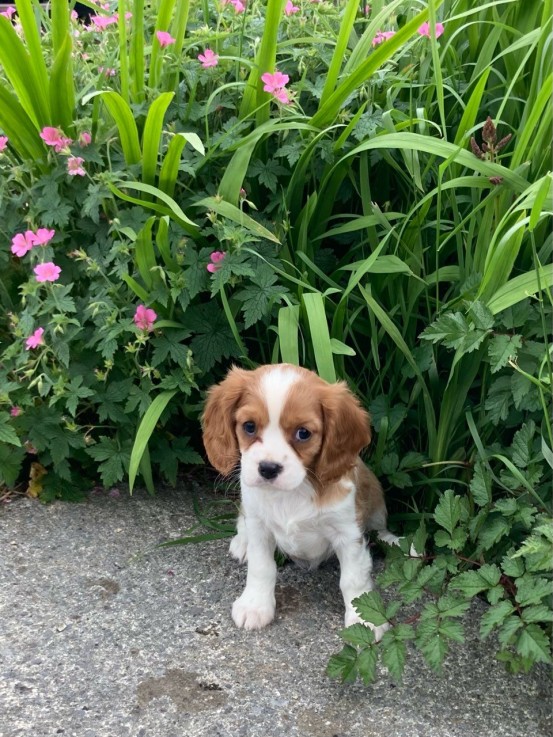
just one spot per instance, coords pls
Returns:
(302, 433)
(249, 428)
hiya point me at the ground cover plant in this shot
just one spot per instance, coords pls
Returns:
(362, 190)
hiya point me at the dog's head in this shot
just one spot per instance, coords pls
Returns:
(283, 424)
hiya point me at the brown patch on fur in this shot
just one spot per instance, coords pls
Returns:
(218, 420)
(303, 409)
(346, 432)
(370, 507)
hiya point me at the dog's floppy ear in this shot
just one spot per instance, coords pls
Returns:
(218, 421)
(347, 429)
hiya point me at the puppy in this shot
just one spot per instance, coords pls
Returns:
(304, 488)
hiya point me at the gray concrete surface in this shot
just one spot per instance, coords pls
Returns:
(103, 635)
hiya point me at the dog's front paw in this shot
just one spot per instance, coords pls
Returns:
(353, 618)
(239, 548)
(252, 615)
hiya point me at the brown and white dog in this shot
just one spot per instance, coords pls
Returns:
(304, 488)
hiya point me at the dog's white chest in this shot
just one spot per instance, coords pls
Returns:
(301, 529)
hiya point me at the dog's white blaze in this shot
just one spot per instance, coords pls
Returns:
(276, 385)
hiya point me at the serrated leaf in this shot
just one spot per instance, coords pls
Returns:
(366, 664)
(434, 650)
(533, 643)
(343, 665)
(448, 511)
(494, 616)
(358, 634)
(469, 583)
(494, 528)
(499, 399)
(8, 435)
(501, 348)
(482, 316)
(532, 589)
(456, 541)
(370, 607)
(449, 329)
(393, 655)
(452, 630)
(213, 340)
(450, 606)
(522, 444)
(512, 566)
(508, 630)
(537, 613)
(480, 486)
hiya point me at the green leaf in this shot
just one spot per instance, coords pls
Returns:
(343, 665)
(452, 630)
(11, 462)
(532, 589)
(470, 583)
(499, 399)
(494, 616)
(434, 650)
(358, 634)
(492, 531)
(522, 444)
(145, 430)
(258, 298)
(501, 348)
(7, 432)
(394, 653)
(483, 318)
(366, 664)
(537, 613)
(113, 460)
(512, 566)
(213, 339)
(533, 643)
(370, 607)
(449, 329)
(480, 485)
(448, 511)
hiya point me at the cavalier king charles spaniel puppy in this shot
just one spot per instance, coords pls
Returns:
(304, 489)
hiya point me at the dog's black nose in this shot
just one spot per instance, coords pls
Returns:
(269, 470)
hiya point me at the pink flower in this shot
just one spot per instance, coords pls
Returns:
(274, 83)
(8, 12)
(47, 272)
(36, 339)
(208, 59)
(43, 236)
(55, 137)
(74, 15)
(165, 39)
(22, 243)
(74, 166)
(85, 139)
(424, 30)
(382, 36)
(3, 143)
(103, 21)
(108, 71)
(15, 411)
(290, 8)
(144, 318)
(216, 257)
(238, 5)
